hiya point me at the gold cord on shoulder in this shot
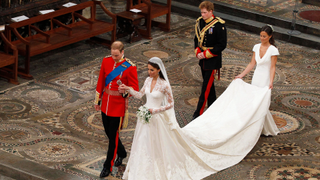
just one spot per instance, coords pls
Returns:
(130, 62)
(221, 20)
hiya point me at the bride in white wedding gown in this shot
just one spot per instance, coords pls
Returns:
(221, 137)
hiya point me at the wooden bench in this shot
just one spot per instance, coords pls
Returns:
(9, 62)
(150, 11)
(59, 34)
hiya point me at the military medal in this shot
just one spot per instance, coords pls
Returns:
(211, 30)
(119, 82)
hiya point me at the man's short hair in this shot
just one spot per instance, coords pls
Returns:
(206, 4)
(117, 45)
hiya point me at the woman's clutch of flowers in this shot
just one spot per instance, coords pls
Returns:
(144, 114)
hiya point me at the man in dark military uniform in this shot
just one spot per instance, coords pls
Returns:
(210, 40)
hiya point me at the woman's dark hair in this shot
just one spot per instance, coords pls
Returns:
(269, 30)
(157, 67)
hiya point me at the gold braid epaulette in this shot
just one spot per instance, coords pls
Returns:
(130, 62)
(108, 56)
(221, 20)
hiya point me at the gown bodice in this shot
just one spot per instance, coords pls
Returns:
(261, 76)
(154, 99)
(160, 99)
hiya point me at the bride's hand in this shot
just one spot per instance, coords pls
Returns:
(150, 111)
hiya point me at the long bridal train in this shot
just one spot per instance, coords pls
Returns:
(216, 140)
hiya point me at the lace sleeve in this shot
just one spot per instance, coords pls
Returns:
(168, 93)
(141, 93)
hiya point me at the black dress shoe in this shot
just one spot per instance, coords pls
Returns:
(118, 162)
(104, 173)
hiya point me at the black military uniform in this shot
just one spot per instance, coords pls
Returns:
(211, 39)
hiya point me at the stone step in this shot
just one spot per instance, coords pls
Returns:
(15, 167)
(5, 178)
(249, 25)
(303, 27)
(273, 19)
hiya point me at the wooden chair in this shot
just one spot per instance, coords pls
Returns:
(151, 10)
(9, 62)
(59, 34)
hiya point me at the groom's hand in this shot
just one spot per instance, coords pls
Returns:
(122, 88)
(97, 107)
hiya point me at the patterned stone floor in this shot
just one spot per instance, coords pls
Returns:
(51, 119)
(282, 9)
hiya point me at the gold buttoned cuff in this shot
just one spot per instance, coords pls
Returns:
(97, 99)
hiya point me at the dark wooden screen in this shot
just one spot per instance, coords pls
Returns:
(13, 8)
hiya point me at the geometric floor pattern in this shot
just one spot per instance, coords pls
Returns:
(51, 120)
(282, 9)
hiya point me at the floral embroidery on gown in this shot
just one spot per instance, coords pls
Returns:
(220, 138)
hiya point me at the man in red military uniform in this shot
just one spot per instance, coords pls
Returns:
(210, 40)
(115, 70)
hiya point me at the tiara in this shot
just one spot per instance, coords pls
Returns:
(270, 27)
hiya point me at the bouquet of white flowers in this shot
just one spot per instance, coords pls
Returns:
(144, 114)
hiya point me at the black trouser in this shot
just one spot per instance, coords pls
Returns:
(208, 92)
(111, 127)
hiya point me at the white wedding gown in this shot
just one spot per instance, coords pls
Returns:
(261, 78)
(221, 137)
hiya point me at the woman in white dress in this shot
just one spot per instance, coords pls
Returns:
(265, 57)
(221, 137)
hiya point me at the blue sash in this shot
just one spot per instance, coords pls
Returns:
(117, 71)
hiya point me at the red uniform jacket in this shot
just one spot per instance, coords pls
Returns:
(114, 105)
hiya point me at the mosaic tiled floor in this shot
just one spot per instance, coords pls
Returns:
(51, 120)
(280, 8)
